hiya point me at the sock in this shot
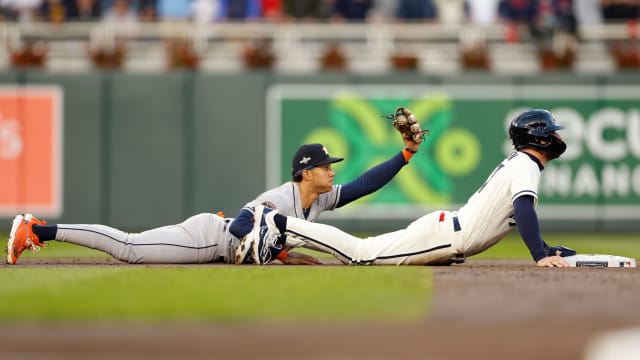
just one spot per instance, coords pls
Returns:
(281, 222)
(45, 232)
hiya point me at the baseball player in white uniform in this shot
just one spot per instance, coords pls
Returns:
(206, 237)
(506, 199)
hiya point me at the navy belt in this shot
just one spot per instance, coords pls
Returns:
(456, 224)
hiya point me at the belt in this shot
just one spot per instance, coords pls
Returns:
(456, 224)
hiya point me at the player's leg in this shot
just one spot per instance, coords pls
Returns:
(196, 240)
(325, 238)
(425, 241)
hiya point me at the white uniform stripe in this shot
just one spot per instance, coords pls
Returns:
(322, 245)
(523, 193)
(414, 252)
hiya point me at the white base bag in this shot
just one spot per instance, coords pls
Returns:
(600, 260)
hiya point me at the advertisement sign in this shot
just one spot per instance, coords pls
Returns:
(598, 176)
(30, 150)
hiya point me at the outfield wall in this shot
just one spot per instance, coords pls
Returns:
(139, 151)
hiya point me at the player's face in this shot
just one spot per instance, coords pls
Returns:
(556, 146)
(322, 178)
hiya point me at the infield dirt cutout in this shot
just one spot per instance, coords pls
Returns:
(480, 310)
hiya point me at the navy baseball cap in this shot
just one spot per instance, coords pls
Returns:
(309, 156)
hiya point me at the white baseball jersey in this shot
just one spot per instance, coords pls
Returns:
(286, 199)
(488, 214)
(439, 237)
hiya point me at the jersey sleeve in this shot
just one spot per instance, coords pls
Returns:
(525, 179)
(528, 226)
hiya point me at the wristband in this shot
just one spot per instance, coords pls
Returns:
(407, 153)
(283, 255)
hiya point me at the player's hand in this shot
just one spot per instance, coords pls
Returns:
(411, 145)
(409, 127)
(552, 261)
(300, 259)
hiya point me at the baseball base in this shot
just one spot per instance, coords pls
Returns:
(600, 260)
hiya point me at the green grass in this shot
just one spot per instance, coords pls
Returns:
(214, 293)
(242, 294)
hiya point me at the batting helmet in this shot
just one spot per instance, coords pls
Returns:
(536, 129)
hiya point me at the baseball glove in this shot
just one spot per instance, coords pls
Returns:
(405, 122)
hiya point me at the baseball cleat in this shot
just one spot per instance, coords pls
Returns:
(242, 250)
(262, 237)
(22, 237)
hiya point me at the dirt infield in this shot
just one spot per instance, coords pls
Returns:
(480, 310)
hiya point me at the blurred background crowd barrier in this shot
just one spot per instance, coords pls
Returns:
(141, 113)
(305, 36)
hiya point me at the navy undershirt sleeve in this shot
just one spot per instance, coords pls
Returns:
(242, 224)
(372, 180)
(527, 221)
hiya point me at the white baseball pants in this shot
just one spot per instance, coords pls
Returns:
(430, 240)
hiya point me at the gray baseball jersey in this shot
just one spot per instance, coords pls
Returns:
(286, 199)
(438, 237)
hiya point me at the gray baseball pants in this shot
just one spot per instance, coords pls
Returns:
(202, 238)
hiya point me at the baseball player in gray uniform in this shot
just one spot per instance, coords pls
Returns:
(205, 238)
(505, 200)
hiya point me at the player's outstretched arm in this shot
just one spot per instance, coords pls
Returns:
(372, 180)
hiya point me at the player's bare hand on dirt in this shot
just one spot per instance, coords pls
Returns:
(552, 261)
(300, 259)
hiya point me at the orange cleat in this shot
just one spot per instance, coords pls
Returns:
(22, 237)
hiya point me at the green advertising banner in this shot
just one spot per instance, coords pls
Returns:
(597, 178)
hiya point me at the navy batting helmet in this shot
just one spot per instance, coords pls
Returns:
(536, 129)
